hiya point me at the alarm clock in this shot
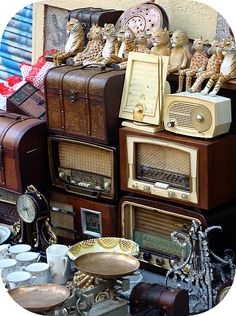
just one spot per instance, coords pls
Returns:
(33, 210)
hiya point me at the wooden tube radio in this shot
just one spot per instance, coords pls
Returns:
(185, 170)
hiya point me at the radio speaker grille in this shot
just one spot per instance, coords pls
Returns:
(181, 113)
(162, 224)
(163, 158)
(87, 158)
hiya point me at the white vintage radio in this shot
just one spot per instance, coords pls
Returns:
(197, 115)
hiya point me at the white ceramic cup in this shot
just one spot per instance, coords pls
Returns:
(59, 263)
(7, 266)
(16, 249)
(19, 279)
(40, 270)
(26, 258)
(4, 251)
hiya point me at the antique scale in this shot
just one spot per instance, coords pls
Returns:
(33, 227)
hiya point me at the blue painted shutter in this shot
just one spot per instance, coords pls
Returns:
(16, 43)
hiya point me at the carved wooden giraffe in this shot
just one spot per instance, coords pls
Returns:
(227, 68)
(94, 47)
(213, 66)
(198, 64)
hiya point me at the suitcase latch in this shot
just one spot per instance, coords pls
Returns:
(73, 96)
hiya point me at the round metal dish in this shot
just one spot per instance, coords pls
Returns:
(4, 233)
(107, 265)
(40, 298)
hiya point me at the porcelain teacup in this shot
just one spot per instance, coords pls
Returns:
(4, 251)
(26, 258)
(16, 249)
(19, 279)
(39, 270)
(7, 266)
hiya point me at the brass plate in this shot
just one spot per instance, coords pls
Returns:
(40, 298)
(107, 265)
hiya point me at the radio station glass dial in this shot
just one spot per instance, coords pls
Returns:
(26, 208)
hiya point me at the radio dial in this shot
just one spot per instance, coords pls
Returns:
(171, 124)
(62, 175)
(160, 261)
(147, 256)
(184, 196)
(171, 194)
(200, 118)
(147, 188)
(107, 185)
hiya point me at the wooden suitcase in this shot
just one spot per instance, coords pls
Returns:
(84, 102)
(27, 100)
(99, 16)
(74, 218)
(23, 152)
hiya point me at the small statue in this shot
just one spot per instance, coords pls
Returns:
(197, 65)
(94, 47)
(213, 66)
(161, 42)
(227, 68)
(180, 54)
(141, 43)
(74, 43)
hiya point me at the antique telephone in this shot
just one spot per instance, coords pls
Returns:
(33, 227)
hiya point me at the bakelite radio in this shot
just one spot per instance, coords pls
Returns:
(150, 223)
(181, 169)
(74, 218)
(83, 168)
(197, 115)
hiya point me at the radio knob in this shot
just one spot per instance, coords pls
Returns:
(200, 118)
(171, 124)
(184, 196)
(146, 188)
(171, 194)
(159, 261)
(62, 175)
(147, 256)
(107, 186)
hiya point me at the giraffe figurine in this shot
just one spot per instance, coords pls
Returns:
(94, 47)
(213, 66)
(198, 63)
(227, 68)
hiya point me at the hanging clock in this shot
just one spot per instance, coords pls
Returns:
(33, 210)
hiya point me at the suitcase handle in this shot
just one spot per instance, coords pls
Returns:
(86, 192)
(12, 115)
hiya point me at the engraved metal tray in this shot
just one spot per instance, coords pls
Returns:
(103, 244)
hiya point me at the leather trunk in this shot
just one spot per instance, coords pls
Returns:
(27, 100)
(74, 219)
(99, 16)
(166, 300)
(23, 152)
(84, 102)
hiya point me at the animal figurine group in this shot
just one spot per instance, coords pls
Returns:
(109, 47)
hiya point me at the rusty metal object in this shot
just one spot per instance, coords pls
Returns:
(107, 265)
(143, 17)
(40, 298)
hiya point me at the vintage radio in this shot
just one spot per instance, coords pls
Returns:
(149, 223)
(186, 170)
(83, 168)
(75, 218)
(197, 115)
(143, 93)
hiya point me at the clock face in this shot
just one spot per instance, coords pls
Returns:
(26, 208)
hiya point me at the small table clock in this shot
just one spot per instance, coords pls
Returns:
(33, 227)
